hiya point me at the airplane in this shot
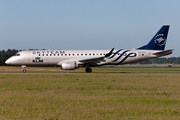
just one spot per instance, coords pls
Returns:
(73, 59)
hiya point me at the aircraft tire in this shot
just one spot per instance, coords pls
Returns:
(24, 70)
(88, 70)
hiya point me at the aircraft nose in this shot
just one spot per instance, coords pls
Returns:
(8, 61)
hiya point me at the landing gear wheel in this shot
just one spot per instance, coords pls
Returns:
(24, 70)
(88, 70)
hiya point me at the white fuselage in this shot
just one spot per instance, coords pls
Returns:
(56, 57)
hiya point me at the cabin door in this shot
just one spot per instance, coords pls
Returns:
(29, 57)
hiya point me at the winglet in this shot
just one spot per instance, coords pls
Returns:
(108, 54)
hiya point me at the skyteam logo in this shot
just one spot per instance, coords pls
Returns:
(160, 39)
(123, 55)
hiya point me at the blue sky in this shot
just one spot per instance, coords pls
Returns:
(87, 24)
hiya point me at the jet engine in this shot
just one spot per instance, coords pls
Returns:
(69, 66)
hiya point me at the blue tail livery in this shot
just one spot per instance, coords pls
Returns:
(158, 42)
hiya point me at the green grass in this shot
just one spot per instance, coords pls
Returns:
(89, 96)
(131, 69)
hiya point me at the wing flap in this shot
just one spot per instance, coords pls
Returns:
(92, 60)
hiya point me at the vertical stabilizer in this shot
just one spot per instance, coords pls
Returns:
(158, 42)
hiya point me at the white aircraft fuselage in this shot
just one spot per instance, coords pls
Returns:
(56, 57)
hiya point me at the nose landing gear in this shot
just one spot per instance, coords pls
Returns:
(24, 68)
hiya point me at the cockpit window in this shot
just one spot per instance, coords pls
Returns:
(17, 55)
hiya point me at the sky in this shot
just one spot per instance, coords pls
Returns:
(87, 24)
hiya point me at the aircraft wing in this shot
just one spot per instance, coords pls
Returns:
(162, 53)
(97, 59)
(92, 60)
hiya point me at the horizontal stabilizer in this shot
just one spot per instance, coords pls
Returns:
(163, 53)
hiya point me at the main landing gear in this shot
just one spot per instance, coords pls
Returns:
(88, 69)
(24, 68)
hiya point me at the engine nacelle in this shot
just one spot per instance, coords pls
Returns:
(69, 66)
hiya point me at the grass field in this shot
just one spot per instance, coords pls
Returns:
(89, 96)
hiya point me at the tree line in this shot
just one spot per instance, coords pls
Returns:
(163, 60)
(5, 54)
